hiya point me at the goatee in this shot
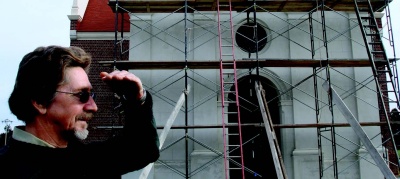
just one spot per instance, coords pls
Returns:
(80, 129)
(81, 134)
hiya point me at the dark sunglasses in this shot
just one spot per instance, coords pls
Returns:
(83, 95)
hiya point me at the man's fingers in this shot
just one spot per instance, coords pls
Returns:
(124, 82)
(103, 75)
(121, 76)
(118, 75)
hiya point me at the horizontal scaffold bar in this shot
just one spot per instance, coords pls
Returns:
(243, 64)
(164, 6)
(315, 125)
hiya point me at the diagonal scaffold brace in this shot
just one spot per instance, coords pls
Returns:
(167, 127)
(272, 140)
(359, 131)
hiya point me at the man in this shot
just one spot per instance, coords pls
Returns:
(53, 96)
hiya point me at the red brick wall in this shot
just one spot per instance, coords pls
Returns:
(99, 17)
(102, 50)
(384, 129)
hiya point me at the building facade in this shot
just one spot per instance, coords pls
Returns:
(292, 50)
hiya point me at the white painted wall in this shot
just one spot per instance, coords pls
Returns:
(164, 40)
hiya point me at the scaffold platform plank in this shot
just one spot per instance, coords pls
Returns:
(160, 6)
(242, 64)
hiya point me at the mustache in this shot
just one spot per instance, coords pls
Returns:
(84, 116)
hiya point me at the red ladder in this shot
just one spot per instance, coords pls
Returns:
(228, 71)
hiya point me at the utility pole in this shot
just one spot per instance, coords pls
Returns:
(6, 129)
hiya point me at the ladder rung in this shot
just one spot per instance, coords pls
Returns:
(388, 91)
(229, 83)
(230, 112)
(375, 43)
(223, 5)
(229, 91)
(234, 156)
(363, 9)
(235, 168)
(233, 145)
(365, 17)
(372, 28)
(226, 45)
(369, 25)
(382, 60)
(234, 134)
(231, 102)
(384, 81)
(377, 52)
(226, 101)
(374, 34)
(227, 55)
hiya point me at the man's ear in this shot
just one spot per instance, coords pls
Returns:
(39, 107)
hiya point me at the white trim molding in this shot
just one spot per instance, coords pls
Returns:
(78, 9)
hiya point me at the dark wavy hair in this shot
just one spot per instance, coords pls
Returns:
(39, 75)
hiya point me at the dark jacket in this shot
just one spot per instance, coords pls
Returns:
(134, 148)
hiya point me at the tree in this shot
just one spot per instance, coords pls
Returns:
(395, 117)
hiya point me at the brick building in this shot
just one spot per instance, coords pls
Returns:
(94, 31)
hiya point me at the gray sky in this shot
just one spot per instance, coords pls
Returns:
(28, 24)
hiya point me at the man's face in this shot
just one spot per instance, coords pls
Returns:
(67, 112)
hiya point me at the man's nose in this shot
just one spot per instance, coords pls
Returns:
(90, 105)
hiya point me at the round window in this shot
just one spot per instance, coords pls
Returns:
(246, 37)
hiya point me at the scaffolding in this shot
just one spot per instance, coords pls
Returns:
(383, 81)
